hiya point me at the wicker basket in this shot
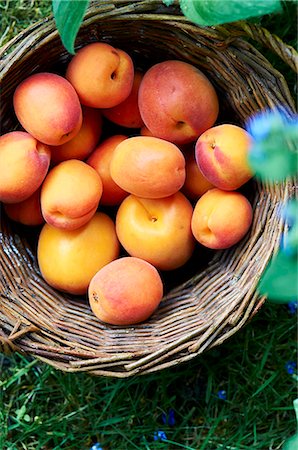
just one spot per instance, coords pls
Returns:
(214, 295)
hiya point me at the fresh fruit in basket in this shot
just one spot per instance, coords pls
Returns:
(84, 142)
(222, 156)
(70, 194)
(195, 184)
(221, 218)
(68, 259)
(101, 74)
(157, 230)
(24, 163)
(100, 159)
(148, 167)
(28, 212)
(177, 101)
(152, 184)
(47, 106)
(125, 291)
(127, 113)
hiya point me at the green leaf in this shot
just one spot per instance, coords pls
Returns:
(69, 15)
(211, 12)
(275, 165)
(279, 281)
(291, 443)
(290, 240)
(273, 154)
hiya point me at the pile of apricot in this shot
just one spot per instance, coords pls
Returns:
(172, 179)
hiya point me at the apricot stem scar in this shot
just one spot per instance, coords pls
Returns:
(95, 296)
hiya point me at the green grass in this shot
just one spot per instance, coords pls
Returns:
(17, 15)
(42, 408)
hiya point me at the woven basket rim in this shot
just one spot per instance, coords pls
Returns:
(28, 304)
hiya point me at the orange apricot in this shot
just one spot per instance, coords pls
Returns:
(195, 184)
(148, 167)
(101, 74)
(68, 259)
(157, 230)
(70, 194)
(222, 156)
(127, 113)
(100, 160)
(24, 164)
(177, 101)
(221, 218)
(27, 212)
(125, 292)
(48, 107)
(85, 141)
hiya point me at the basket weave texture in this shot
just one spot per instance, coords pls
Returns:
(215, 294)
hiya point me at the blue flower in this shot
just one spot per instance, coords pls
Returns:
(272, 153)
(222, 395)
(169, 419)
(160, 436)
(269, 123)
(96, 446)
(259, 126)
(290, 367)
(292, 307)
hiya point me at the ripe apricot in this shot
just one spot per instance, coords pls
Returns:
(101, 74)
(125, 291)
(177, 101)
(148, 167)
(127, 113)
(85, 141)
(48, 107)
(70, 194)
(195, 184)
(24, 164)
(100, 160)
(144, 131)
(221, 218)
(222, 156)
(68, 259)
(157, 230)
(27, 212)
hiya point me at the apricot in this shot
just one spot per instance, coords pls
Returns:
(47, 106)
(195, 184)
(27, 212)
(85, 141)
(100, 160)
(177, 101)
(126, 113)
(144, 131)
(125, 292)
(157, 230)
(148, 167)
(221, 218)
(70, 194)
(24, 163)
(101, 74)
(222, 156)
(68, 259)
